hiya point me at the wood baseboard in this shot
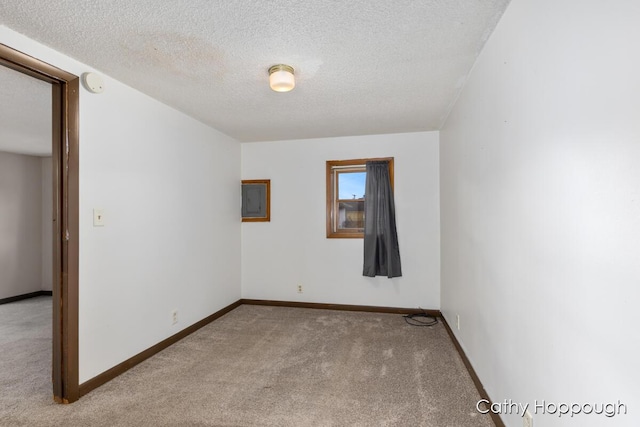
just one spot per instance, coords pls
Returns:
(393, 310)
(25, 296)
(476, 380)
(343, 307)
(110, 374)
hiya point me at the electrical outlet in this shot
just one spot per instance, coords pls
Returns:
(299, 289)
(458, 321)
(527, 419)
(174, 317)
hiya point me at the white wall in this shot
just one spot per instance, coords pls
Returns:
(20, 219)
(293, 248)
(169, 187)
(540, 208)
(47, 224)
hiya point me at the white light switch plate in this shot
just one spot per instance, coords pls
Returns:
(98, 217)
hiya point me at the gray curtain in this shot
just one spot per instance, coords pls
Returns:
(381, 250)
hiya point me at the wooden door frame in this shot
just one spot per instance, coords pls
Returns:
(65, 161)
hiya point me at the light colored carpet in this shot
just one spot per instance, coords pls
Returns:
(257, 366)
(25, 355)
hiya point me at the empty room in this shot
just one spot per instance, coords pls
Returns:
(321, 213)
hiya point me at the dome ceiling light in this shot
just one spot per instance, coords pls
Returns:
(281, 78)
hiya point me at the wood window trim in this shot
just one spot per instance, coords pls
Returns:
(267, 183)
(330, 201)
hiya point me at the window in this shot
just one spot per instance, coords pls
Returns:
(345, 196)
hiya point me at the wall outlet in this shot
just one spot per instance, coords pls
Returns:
(527, 419)
(299, 289)
(458, 321)
(174, 317)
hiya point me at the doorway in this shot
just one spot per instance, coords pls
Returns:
(65, 162)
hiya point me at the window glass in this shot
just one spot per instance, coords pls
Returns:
(351, 199)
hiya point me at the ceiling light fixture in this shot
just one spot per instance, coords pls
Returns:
(281, 78)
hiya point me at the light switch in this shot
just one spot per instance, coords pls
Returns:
(98, 217)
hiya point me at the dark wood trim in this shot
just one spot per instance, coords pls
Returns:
(267, 183)
(31, 66)
(65, 113)
(119, 369)
(342, 307)
(394, 310)
(71, 243)
(56, 181)
(25, 296)
(476, 380)
(110, 374)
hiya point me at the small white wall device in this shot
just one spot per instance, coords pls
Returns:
(93, 82)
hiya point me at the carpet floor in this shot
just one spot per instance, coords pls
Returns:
(255, 366)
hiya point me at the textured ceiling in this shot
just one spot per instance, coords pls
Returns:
(362, 66)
